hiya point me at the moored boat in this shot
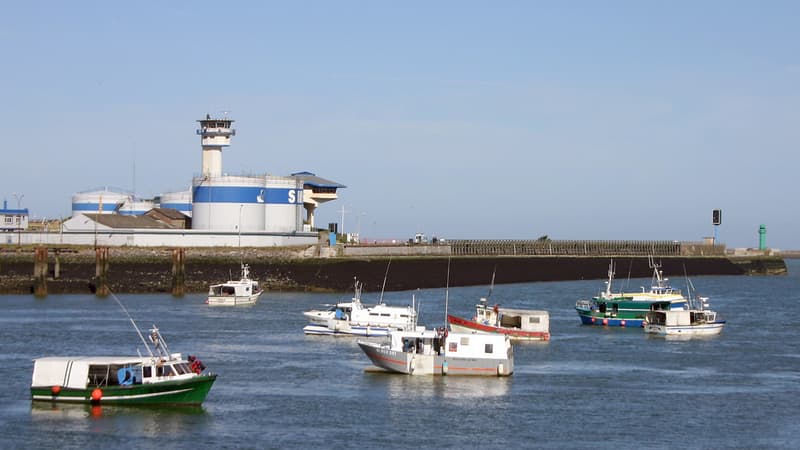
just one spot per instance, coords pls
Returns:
(441, 352)
(696, 320)
(628, 309)
(518, 324)
(235, 292)
(355, 318)
(162, 378)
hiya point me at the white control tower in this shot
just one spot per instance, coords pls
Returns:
(214, 134)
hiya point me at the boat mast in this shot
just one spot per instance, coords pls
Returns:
(134, 324)
(385, 276)
(447, 295)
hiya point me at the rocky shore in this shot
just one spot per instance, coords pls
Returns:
(136, 270)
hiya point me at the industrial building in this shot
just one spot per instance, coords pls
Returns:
(280, 207)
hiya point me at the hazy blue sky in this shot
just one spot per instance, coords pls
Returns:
(508, 120)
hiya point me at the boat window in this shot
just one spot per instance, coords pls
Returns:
(373, 314)
(488, 348)
(464, 340)
(147, 371)
(452, 347)
(182, 368)
(385, 314)
(533, 320)
(164, 371)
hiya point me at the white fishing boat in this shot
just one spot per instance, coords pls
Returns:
(235, 292)
(442, 352)
(355, 318)
(159, 378)
(697, 319)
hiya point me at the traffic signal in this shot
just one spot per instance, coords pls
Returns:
(716, 217)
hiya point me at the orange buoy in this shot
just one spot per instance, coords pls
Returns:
(97, 394)
(55, 390)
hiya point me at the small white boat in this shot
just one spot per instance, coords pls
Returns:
(355, 318)
(235, 292)
(440, 352)
(693, 321)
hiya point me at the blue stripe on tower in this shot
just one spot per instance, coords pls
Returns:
(248, 194)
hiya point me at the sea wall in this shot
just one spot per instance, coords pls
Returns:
(136, 270)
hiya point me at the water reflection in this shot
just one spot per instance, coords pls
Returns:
(449, 387)
(143, 421)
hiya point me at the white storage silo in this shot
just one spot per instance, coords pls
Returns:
(284, 204)
(181, 201)
(228, 203)
(135, 207)
(102, 201)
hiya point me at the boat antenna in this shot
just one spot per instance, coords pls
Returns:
(385, 276)
(132, 322)
(630, 267)
(447, 294)
(491, 286)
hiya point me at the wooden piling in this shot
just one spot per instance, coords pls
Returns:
(40, 272)
(178, 272)
(101, 272)
(56, 264)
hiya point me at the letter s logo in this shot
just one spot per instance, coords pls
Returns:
(291, 196)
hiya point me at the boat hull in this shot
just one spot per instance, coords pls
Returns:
(186, 392)
(420, 364)
(631, 321)
(708, 329)
(459, 324)
(343, 329)
(233, 300)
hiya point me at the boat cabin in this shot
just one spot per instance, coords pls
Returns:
(86, 372)
(520, 319)
(449, 344)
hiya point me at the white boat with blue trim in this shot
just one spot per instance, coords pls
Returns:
(355, 318)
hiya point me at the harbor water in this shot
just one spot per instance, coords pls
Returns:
(588, 387)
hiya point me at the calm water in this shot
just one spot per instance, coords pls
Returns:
(588, 387)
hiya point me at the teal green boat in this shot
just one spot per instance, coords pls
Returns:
(628, 309)
(161, 378)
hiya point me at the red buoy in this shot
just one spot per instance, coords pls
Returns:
(97, 394)
(622, 323)
(605, 321)
(55, 390)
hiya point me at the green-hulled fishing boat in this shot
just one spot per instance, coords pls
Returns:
(159, 378)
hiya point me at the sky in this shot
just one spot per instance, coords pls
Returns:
(458, 119)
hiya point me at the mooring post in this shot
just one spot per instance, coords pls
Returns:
(40, 272)
(101, 271)
(178, 272)
(56, 264)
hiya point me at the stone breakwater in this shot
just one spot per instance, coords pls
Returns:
(136, 270)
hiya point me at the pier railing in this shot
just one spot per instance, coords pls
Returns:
(582, 248)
